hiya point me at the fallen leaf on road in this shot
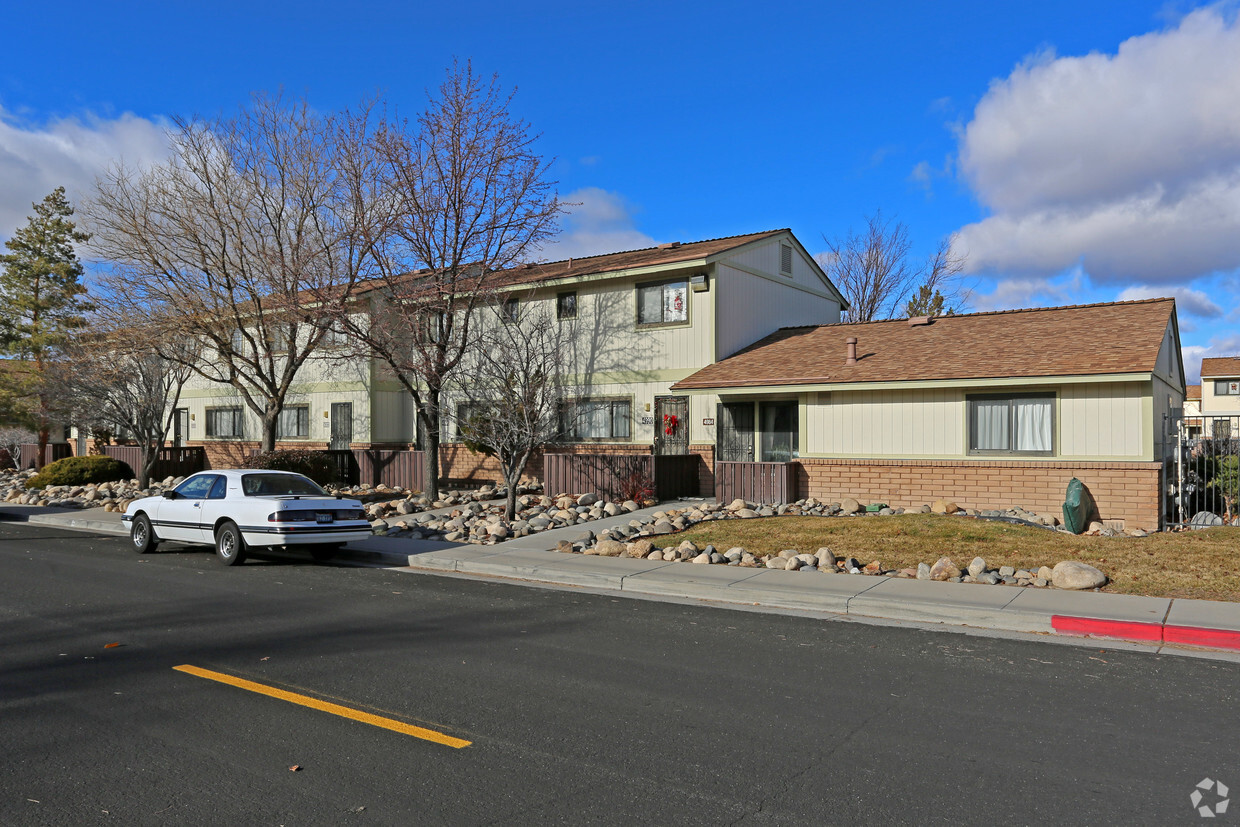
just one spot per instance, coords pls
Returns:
(111, 645)
(266, 658)
(295, 768)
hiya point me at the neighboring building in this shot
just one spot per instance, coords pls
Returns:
(643, 320)
(1220, 397)
(1192, 412)
(991, 410)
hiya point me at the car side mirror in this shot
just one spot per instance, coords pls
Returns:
(170, 494)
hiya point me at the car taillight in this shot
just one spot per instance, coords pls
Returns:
(291, 517)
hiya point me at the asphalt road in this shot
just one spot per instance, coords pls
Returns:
(578, 708)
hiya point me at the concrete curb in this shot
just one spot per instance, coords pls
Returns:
(1153, 620)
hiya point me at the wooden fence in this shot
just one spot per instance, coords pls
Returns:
(396, 469)
(614, 476)
(171, 462)
(53, 452)
(757, 482)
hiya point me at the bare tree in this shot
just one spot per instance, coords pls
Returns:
(873, 271)
(513, 386)
(12, 438)
(120, 379)
(254, 220)
(471, 197)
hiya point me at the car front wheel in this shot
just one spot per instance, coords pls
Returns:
(142, 535)
(229, 545)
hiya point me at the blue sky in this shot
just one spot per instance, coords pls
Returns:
(1080, 151)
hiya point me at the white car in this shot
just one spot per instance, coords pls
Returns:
(238, 509)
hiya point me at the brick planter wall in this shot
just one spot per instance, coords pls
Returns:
(1128, 491)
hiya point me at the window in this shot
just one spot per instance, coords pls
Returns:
(1011, 424)
(779, 432)
(198, 486)
(1221, 429)
(596, 419)
(663, 303)
(509, 310)
(466, 412)
(334, 336)
(279, 339)
(1226, 387)
(294, 422)
(566, 305)
(430, 324)
(223, 423)
(238, 342)
(217, 490)
(785, 260)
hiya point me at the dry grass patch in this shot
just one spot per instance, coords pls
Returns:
(1198, 564)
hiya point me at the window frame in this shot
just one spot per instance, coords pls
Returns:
(971, 423)
(510, 310)
(211, 424)
(569, 435)
(1225, 385)
(281, 434)
(560, 315)
(663, 283)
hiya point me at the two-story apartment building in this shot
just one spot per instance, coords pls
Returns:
(642, 320)
(1220, 397)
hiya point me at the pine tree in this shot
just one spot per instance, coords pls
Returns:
(42, 299)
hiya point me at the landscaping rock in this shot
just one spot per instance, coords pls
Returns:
(849, 506)
(923, 571)
(1073, 575)
(977, 567)
(944, 569)
(776, 563)
(609, 548)
(944, 507)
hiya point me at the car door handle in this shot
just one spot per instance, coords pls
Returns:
(197, 505)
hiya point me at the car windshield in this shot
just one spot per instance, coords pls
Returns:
(279, 485)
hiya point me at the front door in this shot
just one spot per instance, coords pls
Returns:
(342, 426)
(735, 432)
(180, 427)
(671, 425)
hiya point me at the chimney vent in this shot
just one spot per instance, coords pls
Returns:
(851, 343)
(669, 245)
(919, 321)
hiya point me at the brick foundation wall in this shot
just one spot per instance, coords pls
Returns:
(706, 469)
(1128, 491)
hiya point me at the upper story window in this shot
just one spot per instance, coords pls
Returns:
(566, 305)
(238, 342)
(1226, 387)
(664, 302)
(1012, 424)
(785, 260)
(509, 310)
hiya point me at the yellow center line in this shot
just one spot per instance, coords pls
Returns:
(324, 706)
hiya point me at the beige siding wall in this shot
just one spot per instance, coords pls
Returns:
(319, 403)
(912, 423)
(1096, 420)
(751, 307)
(765, 259)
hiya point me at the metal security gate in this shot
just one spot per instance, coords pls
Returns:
(735, 432)
(671, 425)
(1205, 478)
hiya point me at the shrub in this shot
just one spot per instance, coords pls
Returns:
(81, 471)
(316, 465)
(638, 487)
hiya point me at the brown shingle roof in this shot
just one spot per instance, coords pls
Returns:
(627, 260)
(1221, 366)
(1192, 392)
(1118, 337)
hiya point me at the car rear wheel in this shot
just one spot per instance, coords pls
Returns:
(142, 535)
(229, 545)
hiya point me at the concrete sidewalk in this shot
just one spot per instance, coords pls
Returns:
(1150, 620)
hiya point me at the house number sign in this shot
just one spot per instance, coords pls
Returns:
(708, 421)
(647, 420)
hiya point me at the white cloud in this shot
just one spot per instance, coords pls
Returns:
(1127, 164)
(69, 152)
(598, 221)
(1017, 293)
(1228, 345)
(1187, 300)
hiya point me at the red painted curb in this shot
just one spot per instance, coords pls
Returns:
(1201, 636)
(1126, 629)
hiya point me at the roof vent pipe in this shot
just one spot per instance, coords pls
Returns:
(851, 342)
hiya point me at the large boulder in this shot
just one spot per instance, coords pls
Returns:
(1073, 575)
(849, 506)
(944, 507)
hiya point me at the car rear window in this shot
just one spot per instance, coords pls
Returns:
(279, 485)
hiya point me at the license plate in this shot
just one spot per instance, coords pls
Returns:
(323, 517)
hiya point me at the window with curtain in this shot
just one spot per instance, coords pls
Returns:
(294, 422)
(663, 303)
(1012, 424)
(223, 423)
(596, 419)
